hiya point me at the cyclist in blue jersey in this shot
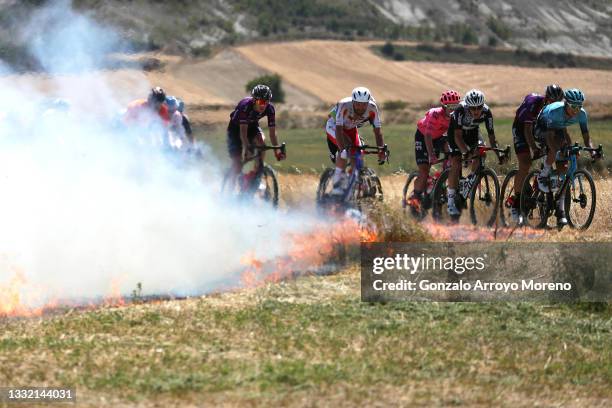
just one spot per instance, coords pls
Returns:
(551, 130)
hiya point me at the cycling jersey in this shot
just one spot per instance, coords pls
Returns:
(434, 123)
(553, 116)
(245, 114)
(139, 112)
(462, 118)
(526, 113)
(529, 109)
(343, 114)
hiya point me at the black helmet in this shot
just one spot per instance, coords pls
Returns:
(554, 92)
(157, 95)
(262, 92)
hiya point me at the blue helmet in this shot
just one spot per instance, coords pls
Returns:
(181, 106)
(172, 103)
(574, 96)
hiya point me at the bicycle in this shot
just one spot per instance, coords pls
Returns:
(507, 195)
(417, 209)
(578, 185)
(363, 182)
(260, 184)
(481, 188)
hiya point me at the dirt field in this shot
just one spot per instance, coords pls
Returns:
(335, 67)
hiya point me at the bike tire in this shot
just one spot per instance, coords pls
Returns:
(534, 206)
(507, 189)
(491, 204)
(272, 193)
(440, 199)
(324, 181)
(572, 199)
(406, 193)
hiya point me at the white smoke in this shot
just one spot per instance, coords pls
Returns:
(82, 205)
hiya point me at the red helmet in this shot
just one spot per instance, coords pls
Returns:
(450, 97)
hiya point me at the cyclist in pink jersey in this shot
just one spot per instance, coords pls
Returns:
(430, 139)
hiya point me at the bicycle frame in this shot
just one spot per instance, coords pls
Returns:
(358, 166)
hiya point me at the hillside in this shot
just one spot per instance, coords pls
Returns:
(193, 27)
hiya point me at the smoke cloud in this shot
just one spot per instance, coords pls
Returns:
(84, 205)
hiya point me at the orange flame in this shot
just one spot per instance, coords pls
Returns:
(307, 252)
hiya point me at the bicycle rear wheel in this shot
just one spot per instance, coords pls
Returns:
(580, 200)
(417, 213)
(325, 185)
(534, 203)
(507, 194)
(484, 198)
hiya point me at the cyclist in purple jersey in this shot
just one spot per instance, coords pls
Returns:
(523, 136)
(243, 128)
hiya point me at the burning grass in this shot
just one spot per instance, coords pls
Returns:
(311, 341)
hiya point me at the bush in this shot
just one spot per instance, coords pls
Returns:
(274, 81)
(388, 50)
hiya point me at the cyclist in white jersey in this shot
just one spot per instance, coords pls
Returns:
(344, 119)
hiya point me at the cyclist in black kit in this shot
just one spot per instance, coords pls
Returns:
(464, 136)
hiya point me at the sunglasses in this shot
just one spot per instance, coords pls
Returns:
(574, 107)
(261, 102)
(476, 108)
(451, 106)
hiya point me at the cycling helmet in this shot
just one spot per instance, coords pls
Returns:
(574, 96)
(262, 92)
(172, 103)
(361, 94)
(157, 95)
(450, 97)
(474, 97)
(554, 92)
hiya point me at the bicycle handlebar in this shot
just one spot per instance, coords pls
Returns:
(282, 147)
(480, 151)
(367, 149)
(576, 148)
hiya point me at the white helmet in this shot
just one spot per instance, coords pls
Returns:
(474, 97)
(361, 94)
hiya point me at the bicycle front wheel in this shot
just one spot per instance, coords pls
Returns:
(507, 194)
(266, 188)
(534, 202)
(580, 200)
(439, 207)
(484, 198)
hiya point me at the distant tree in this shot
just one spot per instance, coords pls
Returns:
(388, 49)
(274, 81)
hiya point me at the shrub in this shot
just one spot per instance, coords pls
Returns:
(274, 81)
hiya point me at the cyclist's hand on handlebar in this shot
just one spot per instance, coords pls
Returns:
(382, 157)
(280, 155)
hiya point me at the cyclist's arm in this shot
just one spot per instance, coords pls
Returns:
(244, 130)
(340, 137)
(380, 141)
(528, 132)
(273, 138)
(429, 145)
(490, 129)
(584, 128)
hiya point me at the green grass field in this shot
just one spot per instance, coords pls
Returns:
(308, 153)
(311, 342)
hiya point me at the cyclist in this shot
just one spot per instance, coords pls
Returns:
(186, 122)
(551, 130)
(345, 118)
(177, 137)
(430, 139)
(464, 136)
(144, 111)
(243, 128)
(524, 142)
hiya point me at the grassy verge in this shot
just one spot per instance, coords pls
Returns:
(312, 342)
(308, 152)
